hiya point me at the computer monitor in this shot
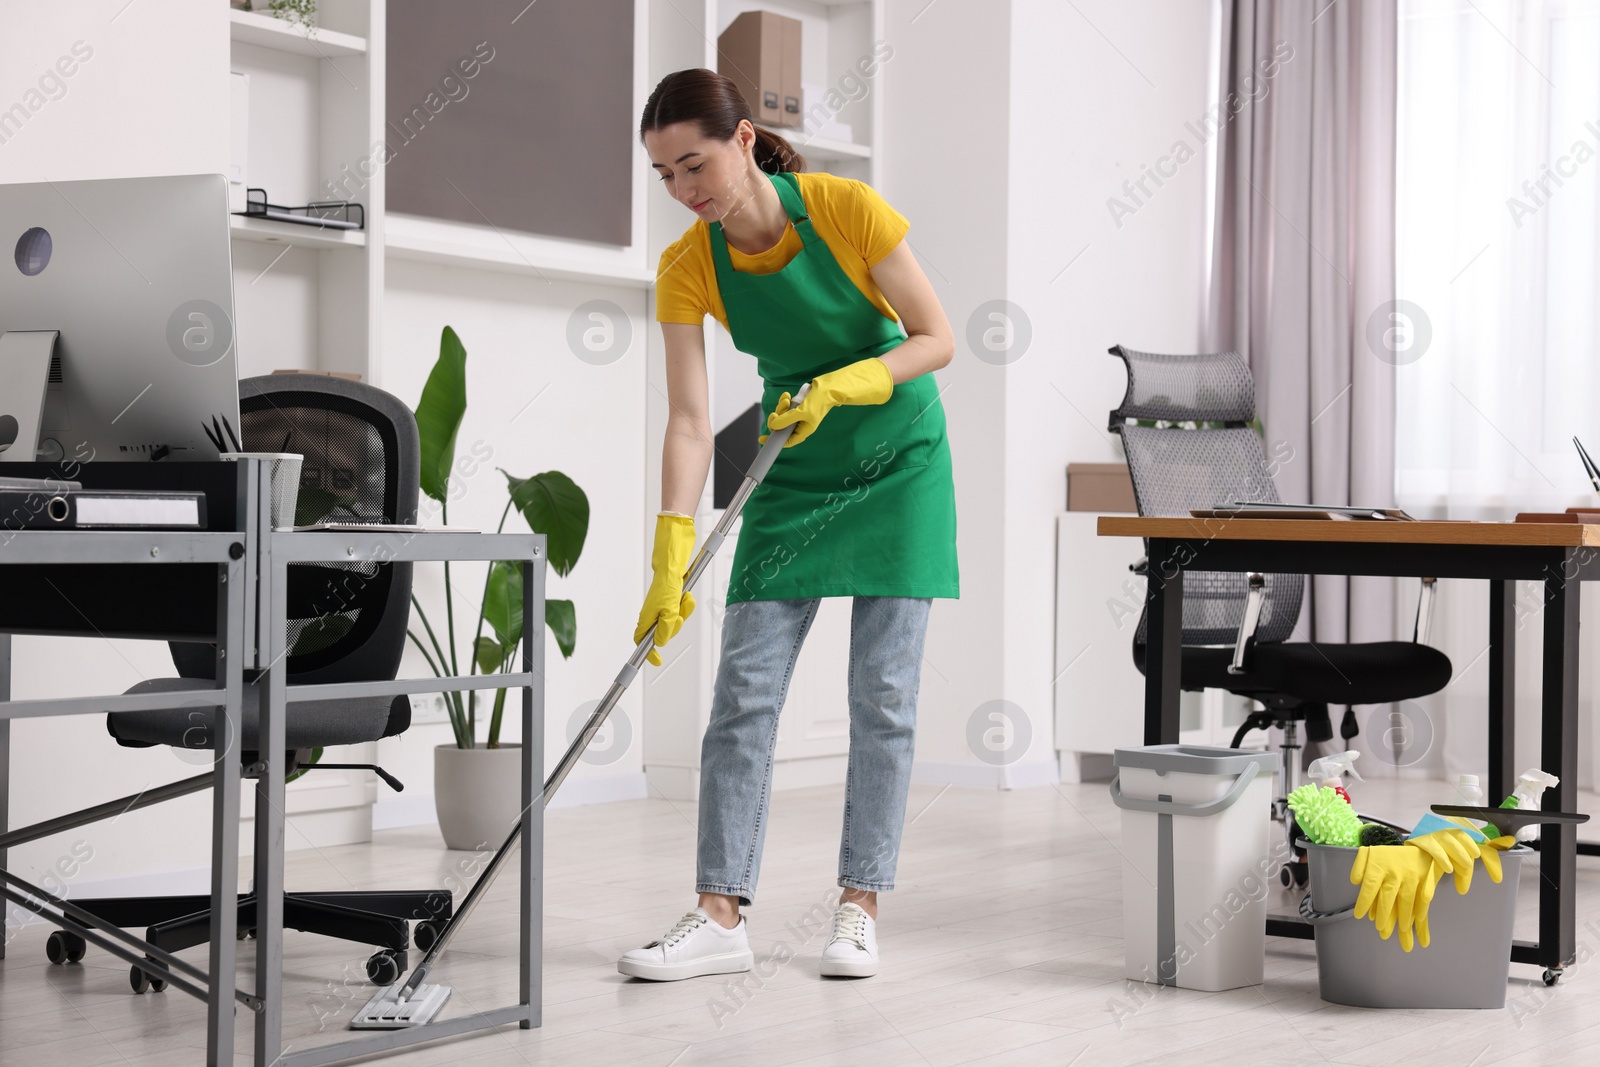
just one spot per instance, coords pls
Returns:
(117, 332)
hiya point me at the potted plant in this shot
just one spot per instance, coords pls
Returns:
(477, 788)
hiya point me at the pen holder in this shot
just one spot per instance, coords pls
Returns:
(284, 468)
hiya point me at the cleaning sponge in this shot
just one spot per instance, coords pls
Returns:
(1325, 817)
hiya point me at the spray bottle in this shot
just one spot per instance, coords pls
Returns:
(1471, 794)
(1530, 789)
(1329, 770)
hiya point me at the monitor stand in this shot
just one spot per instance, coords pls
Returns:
(25, 368)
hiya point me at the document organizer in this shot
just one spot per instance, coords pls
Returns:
(324, 214)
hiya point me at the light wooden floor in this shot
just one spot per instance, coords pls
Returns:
(1002, 945)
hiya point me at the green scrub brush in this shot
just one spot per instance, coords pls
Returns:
(1325, 817)
(1377, 834)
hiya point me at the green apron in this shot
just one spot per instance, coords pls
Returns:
(865, 506)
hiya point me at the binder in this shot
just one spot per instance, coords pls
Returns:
(101, 509)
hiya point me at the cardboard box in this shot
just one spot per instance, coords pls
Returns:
(760, 53)
(1100, 487)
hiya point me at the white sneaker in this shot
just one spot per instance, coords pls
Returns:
(696, 945)
(852, 951)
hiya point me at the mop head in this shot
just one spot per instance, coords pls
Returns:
(1325, 817)
(386, 1012)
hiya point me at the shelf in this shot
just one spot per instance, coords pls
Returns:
(502, 257)
(290, 233)
(821, 148)
(267, 31)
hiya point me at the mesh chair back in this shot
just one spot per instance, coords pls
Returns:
(1200, 453)
(347, 621)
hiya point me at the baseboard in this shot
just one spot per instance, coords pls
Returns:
(971, 775)
(417, 809)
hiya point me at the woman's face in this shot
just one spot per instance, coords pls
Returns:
(708, 177)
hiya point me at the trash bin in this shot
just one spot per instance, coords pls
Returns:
(1196, 863)
(1469, 949)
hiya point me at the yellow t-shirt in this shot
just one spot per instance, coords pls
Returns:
(853, 220)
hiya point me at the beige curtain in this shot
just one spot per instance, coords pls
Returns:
(1303, 259)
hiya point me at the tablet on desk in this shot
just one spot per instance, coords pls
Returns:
(1266, 509)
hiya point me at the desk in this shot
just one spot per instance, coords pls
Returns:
(227, 551)
(252, 592)
(1557, 554)
(277, 552)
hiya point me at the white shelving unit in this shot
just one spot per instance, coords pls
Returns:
(250, 27)
(310, 298)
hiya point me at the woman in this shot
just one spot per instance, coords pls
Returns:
(809, 274)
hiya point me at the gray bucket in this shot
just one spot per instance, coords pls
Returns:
(1465, 964)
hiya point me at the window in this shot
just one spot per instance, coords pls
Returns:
(1498, 186)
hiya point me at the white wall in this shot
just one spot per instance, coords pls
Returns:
(1008, 127)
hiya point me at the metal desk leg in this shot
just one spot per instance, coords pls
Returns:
(225, 817)
(1558, 844)
(1163, 657)
(531, 946)
(5, 771)
(1502, 688)
(270, 808)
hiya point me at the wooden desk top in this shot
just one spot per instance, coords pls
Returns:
(1543, 534)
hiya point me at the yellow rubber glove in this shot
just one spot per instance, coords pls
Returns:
(666, 605)
(1397, 885)
(867, 381)
(1453, 851)
(1490, 851)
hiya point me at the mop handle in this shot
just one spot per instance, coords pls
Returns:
(752, 478)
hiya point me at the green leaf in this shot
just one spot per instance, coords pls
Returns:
(562, 618)
(553, 505)
(489, 655)
(439, 412)
(502, 604)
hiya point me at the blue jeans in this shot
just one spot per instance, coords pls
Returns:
(760, 641)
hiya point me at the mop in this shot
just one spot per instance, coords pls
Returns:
(411, 1002)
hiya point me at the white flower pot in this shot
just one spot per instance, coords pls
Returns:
(477, 793)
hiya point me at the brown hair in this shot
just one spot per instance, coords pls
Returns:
(715, 104)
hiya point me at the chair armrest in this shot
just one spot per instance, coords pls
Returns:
(1247, 624)
(1419, 630)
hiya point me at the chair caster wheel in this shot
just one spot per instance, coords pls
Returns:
(425, 934)
(1294, 875)
(140, 981)
(65, 947)
(383, 968)
(1551, 976)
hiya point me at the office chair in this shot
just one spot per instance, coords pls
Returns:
(347, 623)
(1185, 427)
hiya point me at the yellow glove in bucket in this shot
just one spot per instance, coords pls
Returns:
(866, 381)
(1454, 851)
(666, 604)
(1397, 885)
(1490, 851)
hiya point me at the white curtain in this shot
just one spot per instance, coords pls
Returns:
(1497, 365)
(1499, 152)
